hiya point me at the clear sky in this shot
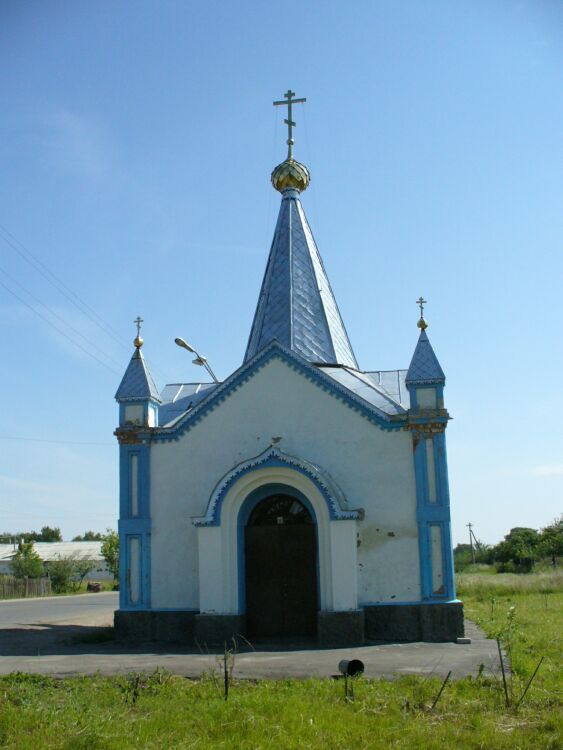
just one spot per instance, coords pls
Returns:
(136, 143)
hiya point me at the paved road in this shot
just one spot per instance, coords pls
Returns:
(62, 637)
(93, 609)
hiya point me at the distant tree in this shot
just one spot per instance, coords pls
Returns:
(520, 548)
(551, 541)
(89, 536)
(110, 551)
(47, 534)
(50, 535)
(26, 562)
(463, 557)
(67, 573)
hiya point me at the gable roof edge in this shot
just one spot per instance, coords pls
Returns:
(250, 368)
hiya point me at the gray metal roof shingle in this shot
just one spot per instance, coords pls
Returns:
(296, 304)
(424, 366)
(137, 383)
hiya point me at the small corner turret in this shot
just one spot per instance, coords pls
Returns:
(425, 377)
(137, 395)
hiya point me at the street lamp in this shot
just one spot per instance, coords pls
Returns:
(199, 359)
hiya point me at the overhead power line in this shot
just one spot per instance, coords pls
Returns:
(58, 284)
(57, 316)
(59, 330)
(75, 299)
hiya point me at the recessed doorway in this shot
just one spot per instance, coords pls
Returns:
(281, 569)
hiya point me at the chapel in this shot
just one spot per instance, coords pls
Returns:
(303, 497)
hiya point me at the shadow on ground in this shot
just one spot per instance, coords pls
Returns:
(64, 639)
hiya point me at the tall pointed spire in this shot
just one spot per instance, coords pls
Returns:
(424, 367)
(296, 304)
(137, 384)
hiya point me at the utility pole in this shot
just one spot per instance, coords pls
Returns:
(470, 527)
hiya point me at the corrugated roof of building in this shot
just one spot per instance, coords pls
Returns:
(296, 305)
(137, 383)
(424, 366)
(48, 551)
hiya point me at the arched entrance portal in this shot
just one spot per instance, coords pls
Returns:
(281, 568)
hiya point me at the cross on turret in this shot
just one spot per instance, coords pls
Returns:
(290, 101)
(422, 324)
(138, 341)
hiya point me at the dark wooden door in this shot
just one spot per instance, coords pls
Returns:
(281, 575)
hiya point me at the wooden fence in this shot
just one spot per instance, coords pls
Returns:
(19, 588)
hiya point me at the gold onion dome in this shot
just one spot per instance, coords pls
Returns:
(291, 174)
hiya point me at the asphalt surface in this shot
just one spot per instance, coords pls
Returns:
(66, 636)
(96, 609)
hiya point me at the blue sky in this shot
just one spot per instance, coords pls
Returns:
(136, 144)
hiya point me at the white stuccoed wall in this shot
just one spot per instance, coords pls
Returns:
(374, 468)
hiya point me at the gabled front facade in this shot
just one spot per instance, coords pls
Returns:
(301, 497)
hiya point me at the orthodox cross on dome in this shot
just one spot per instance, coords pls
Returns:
(422, 324)
(138, 341)
(290, 101)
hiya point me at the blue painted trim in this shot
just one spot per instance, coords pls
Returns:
(143, 479)
(423, 543)
(272, 456)
(123, 589)
(250, 502)
(429, 514)
(145, 403)
(276, 351)
(175, 609)
(413, 389)
(134, 526)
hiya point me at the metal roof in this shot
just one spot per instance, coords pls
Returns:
(393, 383)
(385, 390)
(296, 305)
(424, 366)
(178, 398)
(137, 383)
(366, 385)
(48, 551)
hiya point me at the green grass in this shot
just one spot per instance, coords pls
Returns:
(482, 582)
(83, 588)
(163, 711)
(526, 612)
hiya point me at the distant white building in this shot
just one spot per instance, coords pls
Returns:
(302, 496)
(49, 551)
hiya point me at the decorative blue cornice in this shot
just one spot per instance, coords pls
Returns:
(272, 456)
(247, 371)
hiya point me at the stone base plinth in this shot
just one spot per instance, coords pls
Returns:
(340, 628)
(164, 626)
(216, 630)
(434, 622)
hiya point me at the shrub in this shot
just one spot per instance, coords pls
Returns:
(67, 573)
(110, 551)
(26, 562)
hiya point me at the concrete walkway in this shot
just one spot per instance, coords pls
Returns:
(65, 638)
